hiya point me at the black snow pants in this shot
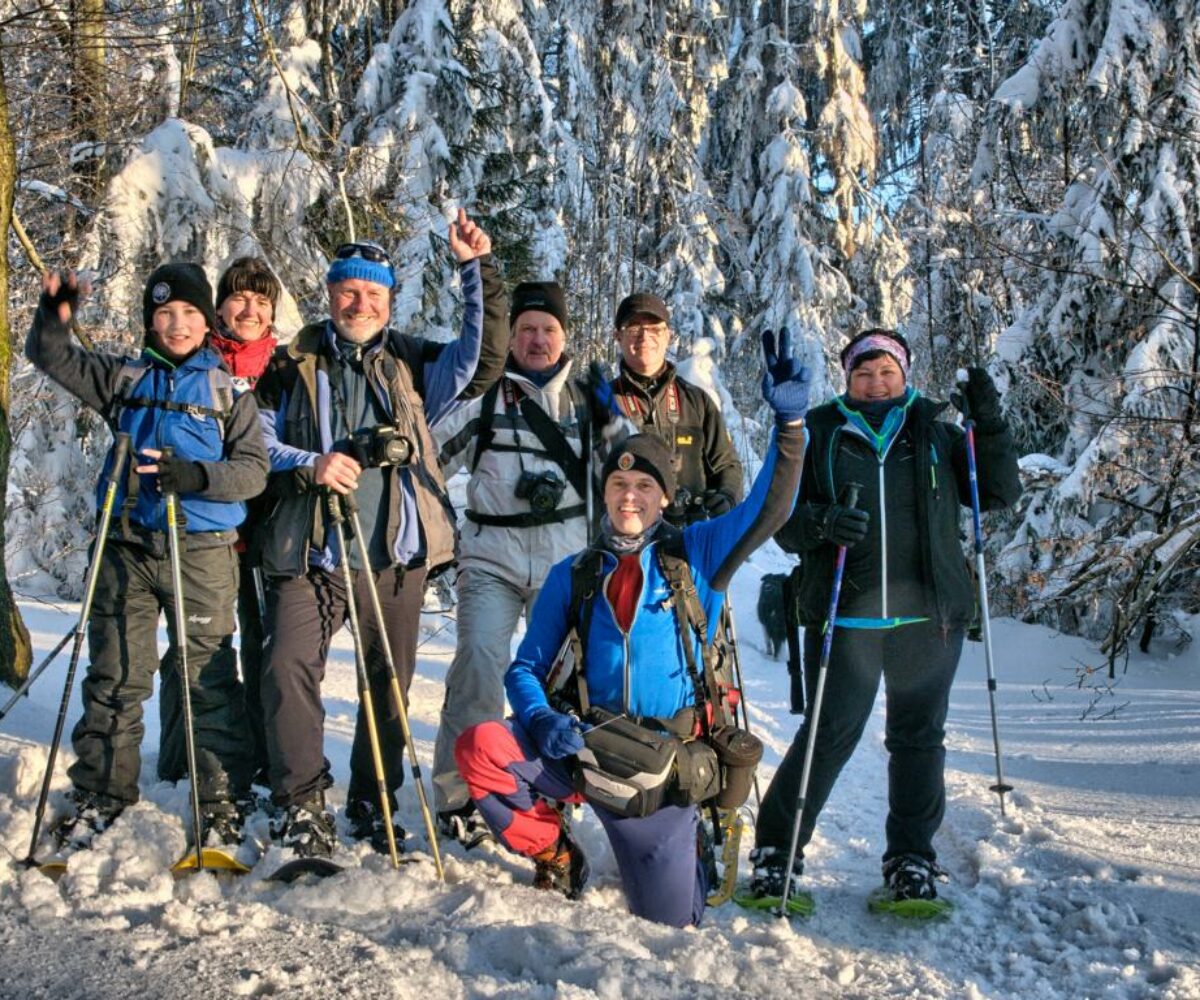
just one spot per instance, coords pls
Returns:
(172, 757)
(133, 586)
(917, 663)
(303, 615)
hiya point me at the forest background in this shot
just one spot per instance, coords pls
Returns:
(1013, 185)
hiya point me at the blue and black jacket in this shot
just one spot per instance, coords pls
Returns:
(643, 672)
(229, 449)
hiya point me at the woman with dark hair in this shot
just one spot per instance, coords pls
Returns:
(906, 599)
(244, 337)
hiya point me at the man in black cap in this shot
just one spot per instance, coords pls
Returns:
(524, 444)
(649, 392)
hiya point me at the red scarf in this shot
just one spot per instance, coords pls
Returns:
(245, 359)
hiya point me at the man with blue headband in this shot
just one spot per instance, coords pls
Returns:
(346, 407)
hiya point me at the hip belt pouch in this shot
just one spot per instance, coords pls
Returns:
(738, 753)
(624, 767)
(698, 774)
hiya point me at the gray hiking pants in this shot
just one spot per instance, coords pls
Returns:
(133, 586)
(488, 611)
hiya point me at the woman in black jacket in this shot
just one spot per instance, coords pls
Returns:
(907, 596)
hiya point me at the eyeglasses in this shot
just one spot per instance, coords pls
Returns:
(367, 251)
(654, 331)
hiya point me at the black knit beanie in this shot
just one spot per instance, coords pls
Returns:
(544, 296)
(642, 453)
(178, 283)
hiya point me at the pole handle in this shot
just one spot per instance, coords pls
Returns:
(120, 454)
(333, 506)
(852, 491)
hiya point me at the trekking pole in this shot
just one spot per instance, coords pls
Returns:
(260, 592)
(351, 506)
(815, 709)
(736, 656)
(181, 658)
(35, 674)
(120, 453)
(334, 505)
(1000, 787)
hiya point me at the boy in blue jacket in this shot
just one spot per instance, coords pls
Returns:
(177, 395)
(635, 663)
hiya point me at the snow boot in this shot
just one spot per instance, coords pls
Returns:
(910, 876)
(464, 825)
(561, 867)
(223, 824)
(768, 878)
(307, 828)
(89, 816)
(366, 823)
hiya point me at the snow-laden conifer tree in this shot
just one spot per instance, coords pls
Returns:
(1092, 152)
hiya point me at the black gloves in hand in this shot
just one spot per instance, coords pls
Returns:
(67, 294)
(844, 525)
(716, 503)
(978, 400)
(179, 476)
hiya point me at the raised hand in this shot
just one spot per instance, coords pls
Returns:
(785, 383)
(467, 240)
(61, 291)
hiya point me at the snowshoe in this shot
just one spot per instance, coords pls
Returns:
(367, 823)
(298, 868)
(561, 868)
(722, 879)
(910, 889)
(465, 826)
(768, 882)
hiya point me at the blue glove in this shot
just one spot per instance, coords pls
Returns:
(785, 382)
(556, 735)
(604, 403)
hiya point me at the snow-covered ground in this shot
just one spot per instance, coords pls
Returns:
(1089, 888)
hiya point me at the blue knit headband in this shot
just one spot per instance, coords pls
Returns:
(361, 268)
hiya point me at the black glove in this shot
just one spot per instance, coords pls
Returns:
(179, 476)
(844, 525)
(978, 400)
(68, 293)
(716, 503)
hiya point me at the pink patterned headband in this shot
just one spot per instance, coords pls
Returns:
(876, 342)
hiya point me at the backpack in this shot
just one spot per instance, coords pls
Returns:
(715, 693)
(715, 769)
(220, 386)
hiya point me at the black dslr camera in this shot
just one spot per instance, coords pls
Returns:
(684, 508)
(378, 447)
(543, 490)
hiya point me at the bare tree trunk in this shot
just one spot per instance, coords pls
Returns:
(89, 105)
(15, 652)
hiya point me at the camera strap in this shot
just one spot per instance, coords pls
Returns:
(548, 433)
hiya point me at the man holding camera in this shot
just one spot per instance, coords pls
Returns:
(648, 391)
(345, 408)
(527, 508)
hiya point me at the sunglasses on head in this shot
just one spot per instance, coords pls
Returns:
(367, 251)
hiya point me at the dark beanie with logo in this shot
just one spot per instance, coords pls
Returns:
(178, 283)
(642, 453)
(544, 296)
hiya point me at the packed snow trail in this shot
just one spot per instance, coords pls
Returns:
(1088, 888)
